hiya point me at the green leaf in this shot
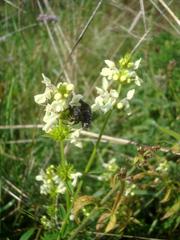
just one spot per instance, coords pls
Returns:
(170, 132)
(167, 196)
(7, 206)
(175, 208)
(27, 234)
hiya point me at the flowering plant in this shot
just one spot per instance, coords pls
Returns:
(63, 109)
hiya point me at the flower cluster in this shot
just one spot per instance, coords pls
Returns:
(56, 101)
(52, 182)
(113, 79)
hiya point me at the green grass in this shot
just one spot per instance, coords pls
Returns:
(28, 50)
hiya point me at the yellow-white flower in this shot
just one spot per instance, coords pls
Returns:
(110, 72)
(51, 182)
(106, 98)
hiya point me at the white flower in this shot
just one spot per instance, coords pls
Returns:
(40, 98)
(74, 177)
(106, 99)
(51, 182)
(45, 188)
(60, 186)
(125, 101)
(110, 72)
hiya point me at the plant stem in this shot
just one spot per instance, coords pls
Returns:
(93, 154)
(63, 160)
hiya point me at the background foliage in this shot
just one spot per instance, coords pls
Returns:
(30, 47)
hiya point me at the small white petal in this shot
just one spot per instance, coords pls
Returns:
(40, 177)
(114, 93)
(106, 72)
(75, 100)
(49, 125)
(40, 98)
(137, 64)
(109, 63)
(46, 81)
(105, 84)
(74, 138)
(61, 188)
(138, 81)
(130, 94)
(74, 177)
(48, 92)
(99, 90)
(58, 106)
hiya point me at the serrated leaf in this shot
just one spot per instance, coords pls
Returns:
(172, 210)
(27, 234)
(112, 223)
(167, 196)
(82, 202)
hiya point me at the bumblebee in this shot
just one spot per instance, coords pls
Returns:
(81, 113)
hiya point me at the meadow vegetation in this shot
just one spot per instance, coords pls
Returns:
(131, 188)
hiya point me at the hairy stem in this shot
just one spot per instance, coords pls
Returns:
(63, 160)
(93, 154)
